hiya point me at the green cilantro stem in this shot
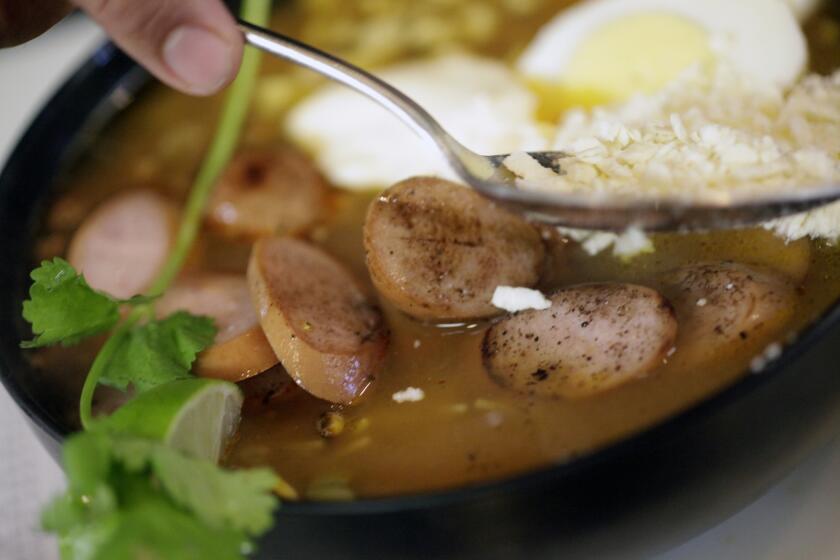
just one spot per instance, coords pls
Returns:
(99, 366)
(231, 121)
(224, 142)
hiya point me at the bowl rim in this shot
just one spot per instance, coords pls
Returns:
(126, 73)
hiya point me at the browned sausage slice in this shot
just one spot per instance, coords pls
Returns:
(267, 191)
(721, 306)
(593, 337)
(240, 349)
(438, 250)
(330, 338)
(123, 244)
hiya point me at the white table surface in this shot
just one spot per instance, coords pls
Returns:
(798, 519)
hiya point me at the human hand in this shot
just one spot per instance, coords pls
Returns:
(192, 45)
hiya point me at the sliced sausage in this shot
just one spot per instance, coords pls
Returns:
(437, 250)
(240, 349)
(755, 246)
(593, 337)
(267, 191)
(766, 249)
(123, 244)
(723, 306)
(328, 335)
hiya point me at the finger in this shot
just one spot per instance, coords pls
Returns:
(192, 45)
(21, 21)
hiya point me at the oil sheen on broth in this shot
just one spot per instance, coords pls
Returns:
(467, 428)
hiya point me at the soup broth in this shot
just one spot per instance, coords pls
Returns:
(467, 428)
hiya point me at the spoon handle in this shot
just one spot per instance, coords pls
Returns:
(386, 95)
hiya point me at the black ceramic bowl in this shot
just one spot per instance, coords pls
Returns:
(632, 499)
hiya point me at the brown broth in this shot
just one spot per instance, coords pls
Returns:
(467, 429)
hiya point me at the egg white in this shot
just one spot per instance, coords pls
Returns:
(761, 38)
(360, 145)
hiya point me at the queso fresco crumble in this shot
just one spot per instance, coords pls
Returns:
(710, 133)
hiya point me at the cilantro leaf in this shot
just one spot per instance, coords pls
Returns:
(238, 499)
(63, 308)
(159, 351)
(135, 498)
(87, 462)
(148, 526)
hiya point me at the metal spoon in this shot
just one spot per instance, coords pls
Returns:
(487, 175)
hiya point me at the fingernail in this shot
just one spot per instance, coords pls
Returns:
(199, 58)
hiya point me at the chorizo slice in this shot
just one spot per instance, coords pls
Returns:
(124, 243)
(726, 305)
(240, 350)
(266, 191)
(437, 250)
(328, 335)
(594, 337)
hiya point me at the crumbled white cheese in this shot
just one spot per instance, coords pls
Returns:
(523, 165)
(702, 302)
(631, 243)
(771, 353)
(823, 223)
(409, 394)
(593, 242)
(711, 135)
(625, 245)
(519, 299)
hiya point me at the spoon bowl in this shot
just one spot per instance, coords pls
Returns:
(489, 176)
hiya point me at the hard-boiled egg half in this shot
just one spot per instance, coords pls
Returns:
(605, 51)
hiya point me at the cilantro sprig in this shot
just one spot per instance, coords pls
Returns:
(63, 308)
(158, 351)
(141, 353)
(129, 497)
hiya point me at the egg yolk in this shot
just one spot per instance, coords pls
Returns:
(635, 54)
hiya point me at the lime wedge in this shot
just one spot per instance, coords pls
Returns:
(195, 416)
